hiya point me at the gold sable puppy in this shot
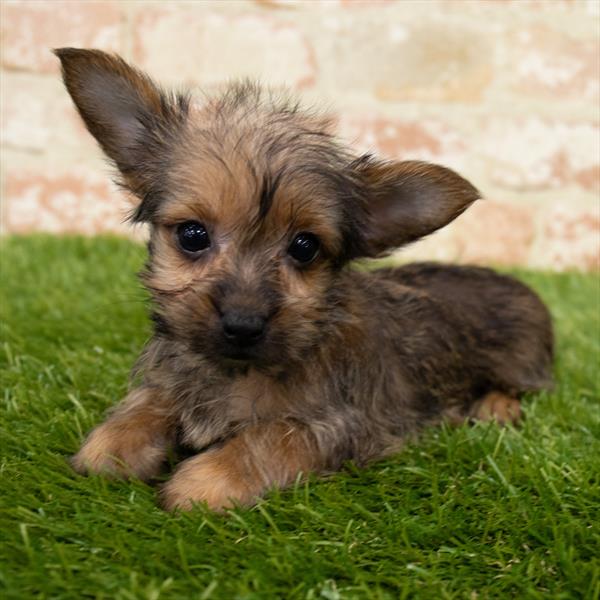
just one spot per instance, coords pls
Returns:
(271, 356)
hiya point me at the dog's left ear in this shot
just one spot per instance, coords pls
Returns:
(408, 200)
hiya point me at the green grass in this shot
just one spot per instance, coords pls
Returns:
(473, 512)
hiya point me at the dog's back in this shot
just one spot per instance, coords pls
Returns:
(506, 325)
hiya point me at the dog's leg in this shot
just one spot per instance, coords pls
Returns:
(497, 406)
(258, 458)
(133, 441)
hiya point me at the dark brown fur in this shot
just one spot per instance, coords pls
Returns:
(351, 363)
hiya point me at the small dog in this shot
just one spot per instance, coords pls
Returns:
(271, 356)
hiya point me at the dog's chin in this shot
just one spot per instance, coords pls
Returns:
(242, 360)
(228, 357)
(237, 358)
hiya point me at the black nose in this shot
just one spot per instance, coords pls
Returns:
(243, 329)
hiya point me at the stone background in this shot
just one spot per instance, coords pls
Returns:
(505, 91)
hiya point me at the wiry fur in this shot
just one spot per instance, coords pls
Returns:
(351, 362)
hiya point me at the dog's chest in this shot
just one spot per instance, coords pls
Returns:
(256, 397)
(245, 400)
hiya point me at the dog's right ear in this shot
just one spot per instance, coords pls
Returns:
(132, 119)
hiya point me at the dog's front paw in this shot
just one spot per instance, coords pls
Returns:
(119, 451)
(210, 477)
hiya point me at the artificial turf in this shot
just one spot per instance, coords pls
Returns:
(472, 512)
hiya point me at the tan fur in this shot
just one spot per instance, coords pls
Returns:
(260, 457)
(133, 442)
(498, 407)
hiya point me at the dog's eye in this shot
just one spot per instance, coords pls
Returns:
(192, 236)
(304, 248)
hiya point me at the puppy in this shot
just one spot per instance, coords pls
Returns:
(271, 356)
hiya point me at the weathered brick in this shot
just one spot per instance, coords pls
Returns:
(191, 43)
(440, 246)
(439, 64)
(492, 232)
(537, 154)
(570, 238)
(37, 114)
(296, 4)
(552, 6)
(30, 29)
(426, 139)
(489, 232)
(411, 57)
(365, 3)
(76, 201)
(396, 68)
(555, 64)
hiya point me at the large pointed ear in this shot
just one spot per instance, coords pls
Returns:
(132, 119)
(408, 200)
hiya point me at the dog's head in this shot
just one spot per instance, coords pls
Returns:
(253, 207)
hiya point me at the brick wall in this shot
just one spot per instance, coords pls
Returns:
(505, 91)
